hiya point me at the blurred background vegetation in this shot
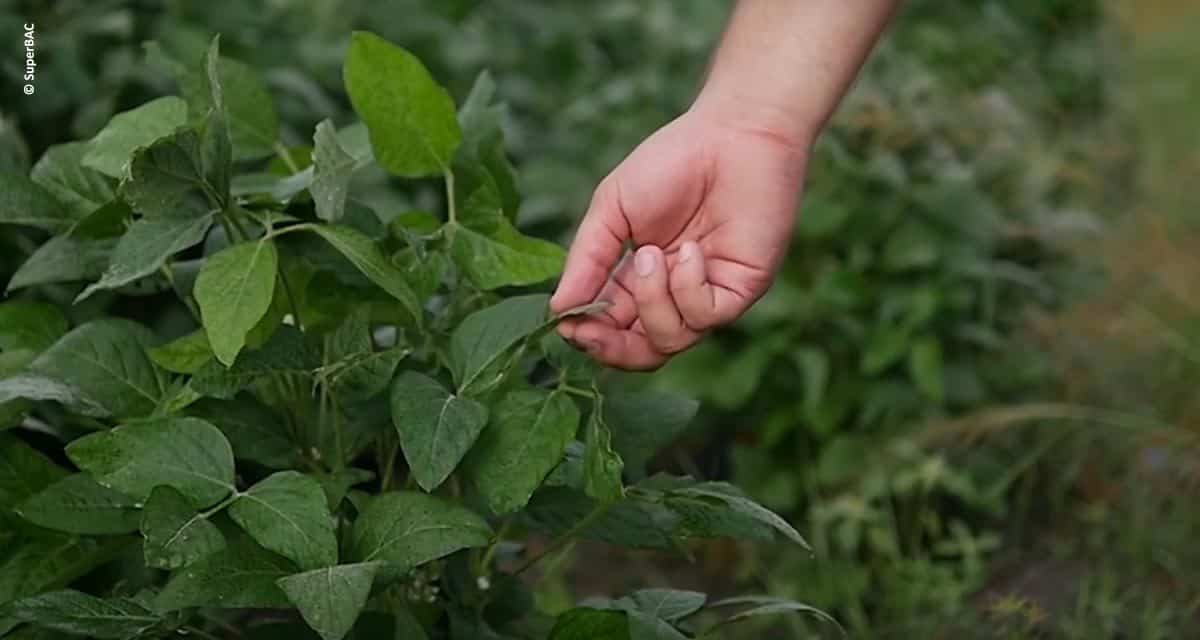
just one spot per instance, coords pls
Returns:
(973, 385)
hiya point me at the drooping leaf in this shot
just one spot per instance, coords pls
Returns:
(242, 576)
(591, 624)
(362, 377)
(331, 599)
(666, 604)
(731, 497)
(104, 365)
(24, 471)
(147, 246)
(253, 430)
(644, 422)
(185, 453)
(484, 337)
(111, 150)
(176, 535)
(407, 529)
(168, 178)
(362, 252)
(64, 258)
(185, 354)
(78, 504)
(79, 613)
(436, 427)
(25, 202)
(288, 513)
(636, 523)
(523, 442)
(411, 119)
(234, 291)
(61, 172)
(762, 606)
(286, 353)
(333, 168)
(602, 466)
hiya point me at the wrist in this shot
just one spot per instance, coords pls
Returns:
(758, 116)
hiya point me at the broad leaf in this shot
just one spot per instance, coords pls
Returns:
(51, 561)
(288, 513)
(253, 430)
(523, 442)
(248, 107)
(504, 257)
(25, 324)
(485, 337)
(24, 471)
(667, 604)
(362, 252)
(643, 626)
(185, 354)
(602, 466)
(64, 258)
(407, 529)
(730, 497)
(24, 202)
(104, 363)
(591, 624)
(636, 523)
(168, 178)
(234, 291)
(411, 119)
(644, 422)
(81, 189)
(286, 353)
(147, 246)
(111, 150)
(436, 427)
(362, 377)
(187, 454)
(78, 504)
(332, 169)
(242, 576)
(331, 599)
(176, 535)
(83, 614)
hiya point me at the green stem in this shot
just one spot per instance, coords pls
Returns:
(451, 204)
(283, 154)
(230, 238)
(196, 631)
(598, 512)
(337, 434)
(390, 466)
(585, 393)
(232, 498)
(490, 554)
(287, 291)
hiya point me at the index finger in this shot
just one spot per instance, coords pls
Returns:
(597, 247)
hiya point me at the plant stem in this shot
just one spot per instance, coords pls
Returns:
(585, 393)
(283, 154)
(451, 204)
(196, 631)
(559, 542)
(389, 467)
(337, 434)
(187, 302)
(490, 554)
(287, 291)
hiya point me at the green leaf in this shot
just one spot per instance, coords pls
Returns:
(643, 422)
(360, 378)
(925, 367)
(168, 178)
(111, 150)
(242, 576)
(436, 427)
(51, 561)
(78, 504)
(338, 483)
(636, 523)
(363, 253)
(104, 364)
(666, 604)
(528, 433)
(187, 454)
(25, 324)
(332, 169)
(234, 291)
(24, 202)
(147, 246)
(484, 337)
(731, 497)
(80, 613)
(247, 103)
(643, 626)
(80, 189)
(285, 353)
(35, 387)
(407, 529)
(331, 599)
(24, 471)
(602, 466)
(912, 246)
(175, 534)
(591, 624)
(411, 119)
(288, 513)
(481, 157)
(64, 258)
(183, 355)
(254, 431)
(504, 257)
(884, 347)
(769, 606)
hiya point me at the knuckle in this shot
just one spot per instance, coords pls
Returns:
(673, 344)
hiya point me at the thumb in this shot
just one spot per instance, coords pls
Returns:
(597, 247)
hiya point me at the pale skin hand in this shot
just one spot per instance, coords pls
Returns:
(709, 200)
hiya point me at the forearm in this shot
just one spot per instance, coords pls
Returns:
(784, 65)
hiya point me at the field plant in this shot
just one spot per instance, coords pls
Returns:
(239, 402)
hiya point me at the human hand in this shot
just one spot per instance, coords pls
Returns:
(709, 205)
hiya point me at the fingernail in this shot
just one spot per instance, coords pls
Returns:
(644, 262)
(688, 251)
